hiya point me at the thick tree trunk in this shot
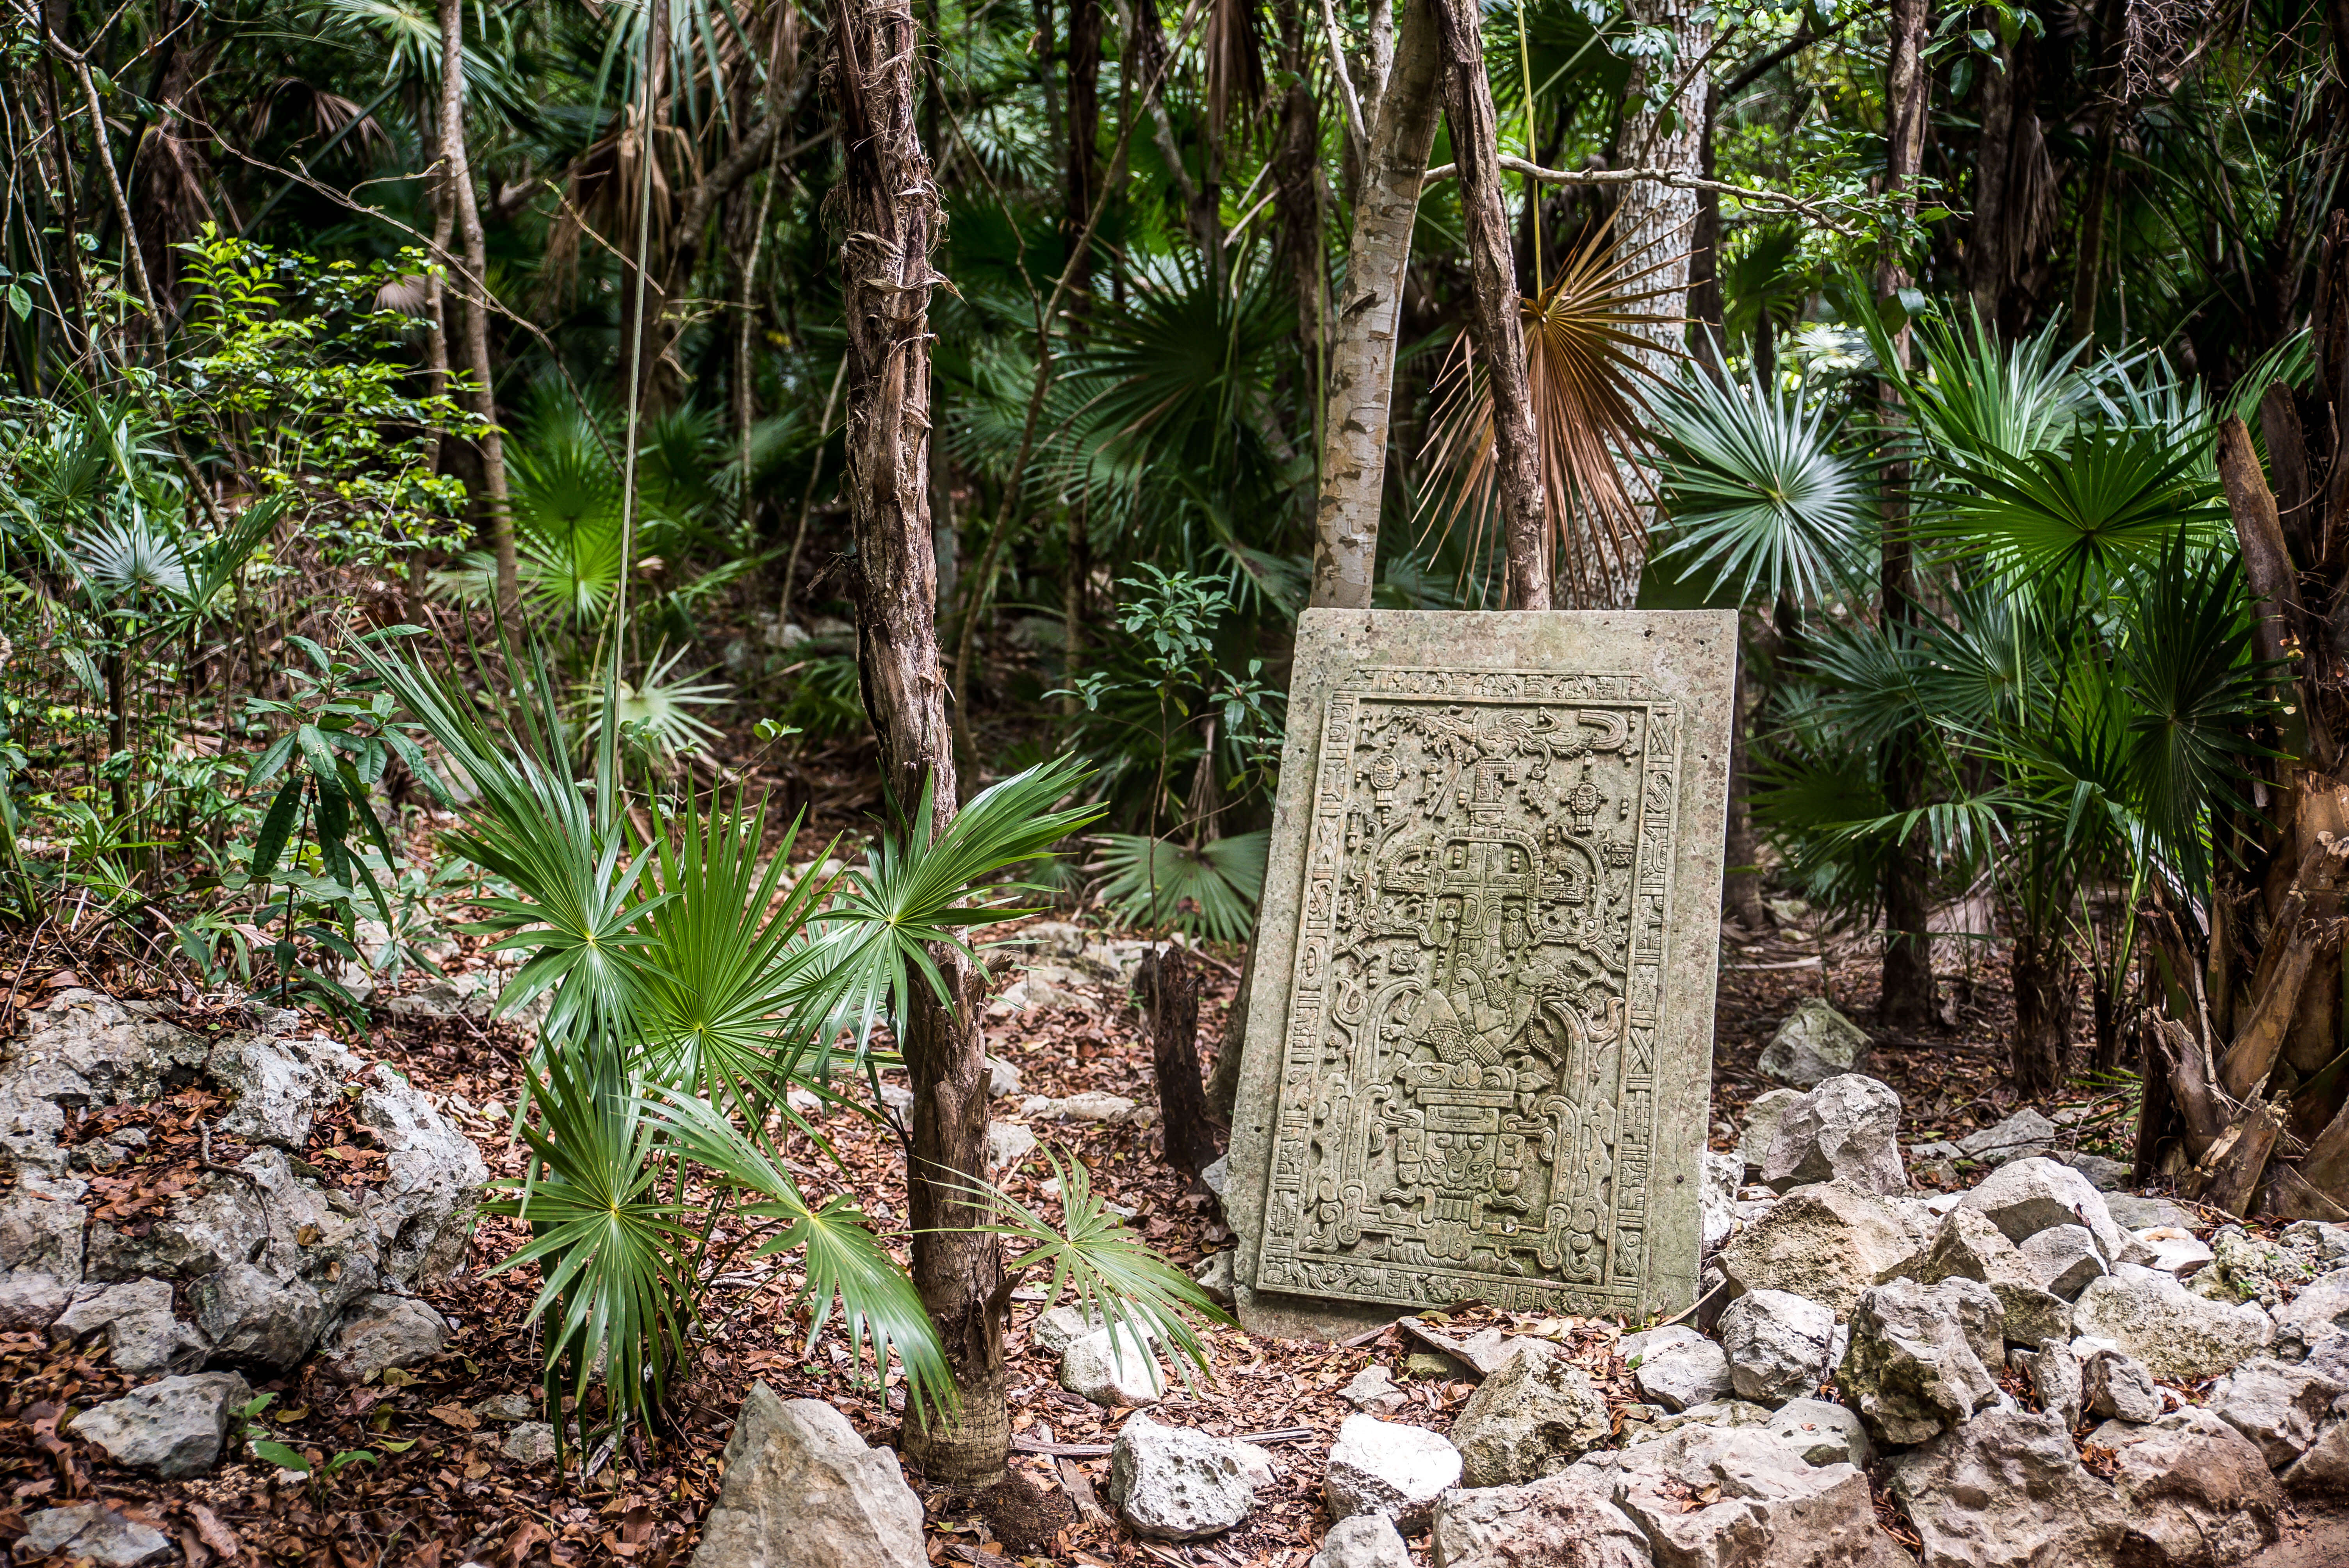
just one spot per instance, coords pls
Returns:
(1499, 304)
(889, 213)
(1362, 337)
(2043, 1014)
(1907, 992)
(460, 176)
(1170, 987)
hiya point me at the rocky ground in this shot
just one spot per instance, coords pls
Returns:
(226, 1225)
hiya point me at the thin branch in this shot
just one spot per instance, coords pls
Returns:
(1770, 60)
(1778, 200)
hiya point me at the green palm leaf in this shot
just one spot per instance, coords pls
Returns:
(1210, 891)
(2110, 498)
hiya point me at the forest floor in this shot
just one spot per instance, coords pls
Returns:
(447, 1496)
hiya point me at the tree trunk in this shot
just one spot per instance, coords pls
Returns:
(1084, 136)
(1986, 258)
(1655, 224)
(2043, 1014)
(1170, 984)
(1499, 304)
(889, 213)
(1907, 991)
(1741, 883)
(1363, 337)
(477, 312)
(2088, 266)
(1704, 301)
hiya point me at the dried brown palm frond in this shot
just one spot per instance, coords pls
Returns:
(1585, 336)
(1235, 52)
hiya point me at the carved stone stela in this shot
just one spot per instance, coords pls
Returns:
(1466, 1094)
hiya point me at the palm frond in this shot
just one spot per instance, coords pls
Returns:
(1165, 885)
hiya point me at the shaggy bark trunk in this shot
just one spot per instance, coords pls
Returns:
(2089, 264)
(1499, 304)
(2042, 1015)
(1362, 337)
(1907, 992)
(1986, 263)
(1084, 133)
(889, 213)
(460, 175)
(1171, 987)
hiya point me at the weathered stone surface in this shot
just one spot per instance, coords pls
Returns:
(2324, 1470)
(1385, 1466)
(424, 1210)
(529, 1443)
(1002, 1078)
(1365, 1540)
(1214, 1277)
(1845, 1129)
(2132, 1212)
(380, 1330)
(93, 1532)
(1536, 794)
(2107, 1176)
(1682, 1372)
(1762, 1125)
(2178, 1335)
(2024, 1134)
(1054, 1331)
(1092, 1105)
(1812, 1043)
(2194, 1493)
(1008, 1143)
(2257, 1269)
(1822, 1433)
(171, 1429)
(1111, 1366)
(802, 1490)
(2319, 1312)
(1565, 1521)
(41, 1221)
(278, 1084)
(2175, 1253)
(1531, 1419)
(139, 1324)
(2279, 1407)
(88, 1049)
(1711, 1413)
(2054, 1374)
(1176, 1483)
(1921, 1357)
(1826, 1244)
(2328, 1243)
(2006, 1490)
(2117, 1387)
(258, 1317)
(2027, 1196)
(1759, 1500)
(1777, 1345)
(1970, 1246)
(1722, 1175)
(2063, 1259)
(1374, 1389)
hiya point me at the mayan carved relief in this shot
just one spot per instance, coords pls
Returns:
(1466, 1101)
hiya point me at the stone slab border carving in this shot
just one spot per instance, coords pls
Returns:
(1479, 1060)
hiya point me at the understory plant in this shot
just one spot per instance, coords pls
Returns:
(688, 983)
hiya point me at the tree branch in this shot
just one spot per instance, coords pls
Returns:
(1777, 200)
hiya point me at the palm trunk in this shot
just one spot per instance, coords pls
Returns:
(2042, 1012)
(1907, 992)
(1084, 133)
(459, 177)
(1362, 335)
(1986, 258)
(890, 216)
(2089, 264)
(1499, 304)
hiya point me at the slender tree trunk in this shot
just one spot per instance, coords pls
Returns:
(436, 292)
(1907, 991)
(1084, 134)
(1499, 304)
(2088, 266)
(1171, 986)
(1362, 335)
(460, 176)
(1704, 303)
(1655, 224)
(889, 213)
(2042, 1012)
(1987, 265)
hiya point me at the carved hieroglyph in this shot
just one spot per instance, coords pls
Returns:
(1466, 1101)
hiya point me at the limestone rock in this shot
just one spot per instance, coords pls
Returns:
(1814, 1043)
(253, 1317)
(2178, 1335)
(1002, 1078)
(2062, 1259)
(1762, 1125)
(2318, 1312)
(1826, 1243)
(425, 1209)
(380, 1330)
(278, 1085)
(2328, 1243)
(1008, 1143)
(1845, 1130)
(2257, 1269)
(1374, 1389)
(91, 1532)
(1822, 1433)
(1092, 1105)
(802, 1490)
(1216, 1174)
(1177, 1483)
(465, 995)
(2104, 1175)
(1111, 1366)
(2119, 1387)
(2193, 1492)
(2005, 1490)
(1921, 1357)
(1565, 1521)
(1759, 1500)
(1533, 1418)
(1214, 1277)
(529, 1443)
(1777, 1345)
(2324, 1470)
(1970, 1246)
(139, 1326)
(2176, 1253)
(2024, 1134)
(1718, 1211)
(1385, 1466)
(41, 1224)
(2027, 1196)
(2280, 1408)
(2135, 1213)
(2054, 1374)
(1711, 1413)
(116, 1052)
(172, 1429)
(1054, 1331)
(1365, 1540)
(1683, 1372)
